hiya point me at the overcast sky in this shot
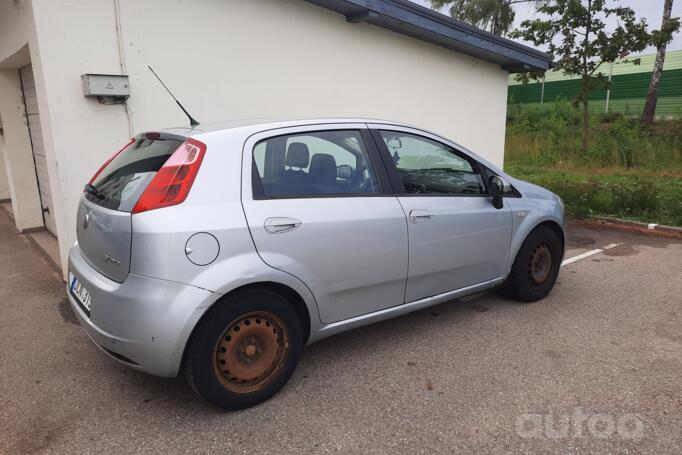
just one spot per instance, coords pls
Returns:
(652, 10)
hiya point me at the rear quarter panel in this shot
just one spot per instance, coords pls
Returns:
(213, 206)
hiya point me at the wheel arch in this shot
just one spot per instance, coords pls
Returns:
(522, 234)
(290, 294)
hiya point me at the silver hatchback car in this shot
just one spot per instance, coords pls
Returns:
(221, 251)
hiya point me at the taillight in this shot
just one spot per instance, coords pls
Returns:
(171, 184)
(106, 163)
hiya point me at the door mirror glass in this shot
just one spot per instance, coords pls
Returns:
(502, 186)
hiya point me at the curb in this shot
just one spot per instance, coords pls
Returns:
(677, 230)
(57, 268)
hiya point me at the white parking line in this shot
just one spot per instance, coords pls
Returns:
(588, 254)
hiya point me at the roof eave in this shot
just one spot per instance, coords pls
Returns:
(422, 23)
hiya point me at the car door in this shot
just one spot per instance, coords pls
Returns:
(457, 238)
(319, 206)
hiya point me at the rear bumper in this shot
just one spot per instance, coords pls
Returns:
(143, 323)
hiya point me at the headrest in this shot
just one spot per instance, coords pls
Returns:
(323, 167)
(344, 172)
(297, 155)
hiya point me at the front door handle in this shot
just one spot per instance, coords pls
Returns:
(420, 216)
(278, 225)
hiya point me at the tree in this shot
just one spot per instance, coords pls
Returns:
(496, 16)
(660, 39)
(577, 37)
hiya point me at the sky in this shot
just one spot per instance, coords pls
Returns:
(652, 10)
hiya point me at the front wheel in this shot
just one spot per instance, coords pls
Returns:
(536, 266)
(244, 350)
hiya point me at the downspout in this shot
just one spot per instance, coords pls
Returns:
(122, 62)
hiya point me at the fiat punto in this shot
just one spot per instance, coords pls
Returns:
(220, 251)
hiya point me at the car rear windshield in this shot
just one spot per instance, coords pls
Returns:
(124, 179)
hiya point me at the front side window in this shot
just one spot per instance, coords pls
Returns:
(429, 167)
(315, 163)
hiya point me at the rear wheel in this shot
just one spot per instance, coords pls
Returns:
(244, 350)
(536, 266)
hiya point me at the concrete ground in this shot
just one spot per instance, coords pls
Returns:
(594, 368)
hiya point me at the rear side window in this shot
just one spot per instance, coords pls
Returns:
(314, 163)
(123, 180)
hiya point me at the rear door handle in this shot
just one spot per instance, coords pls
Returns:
(278, 225)
(420, 216)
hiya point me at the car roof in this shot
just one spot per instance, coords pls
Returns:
(270, 123)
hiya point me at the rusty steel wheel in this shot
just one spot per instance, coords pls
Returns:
(244, 349)
(251, 351)
(540, 263)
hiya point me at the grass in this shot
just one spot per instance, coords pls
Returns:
(627, 172)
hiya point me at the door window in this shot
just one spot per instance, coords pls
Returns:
(314, 163)
(429, 167)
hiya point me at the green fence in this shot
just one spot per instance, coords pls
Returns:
(629, 87)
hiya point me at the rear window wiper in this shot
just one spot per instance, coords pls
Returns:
(92, 189)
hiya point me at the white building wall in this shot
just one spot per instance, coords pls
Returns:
(228, 59)
(16, 27)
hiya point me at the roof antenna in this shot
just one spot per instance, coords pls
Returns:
(192, 122)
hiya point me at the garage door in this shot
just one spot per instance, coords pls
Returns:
(29, 87)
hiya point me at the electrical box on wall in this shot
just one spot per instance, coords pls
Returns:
(106, 85)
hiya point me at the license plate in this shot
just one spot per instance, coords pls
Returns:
(80, 293)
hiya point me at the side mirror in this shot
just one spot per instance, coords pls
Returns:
(506, 186)
(498, 187)
(344, 172)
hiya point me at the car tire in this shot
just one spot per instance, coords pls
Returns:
(244, 350)
(535, 267)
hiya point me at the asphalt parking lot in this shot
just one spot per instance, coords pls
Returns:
(596, 367)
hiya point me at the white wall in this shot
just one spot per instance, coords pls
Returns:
(228, 59)
(79, 134)
(16, 27)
